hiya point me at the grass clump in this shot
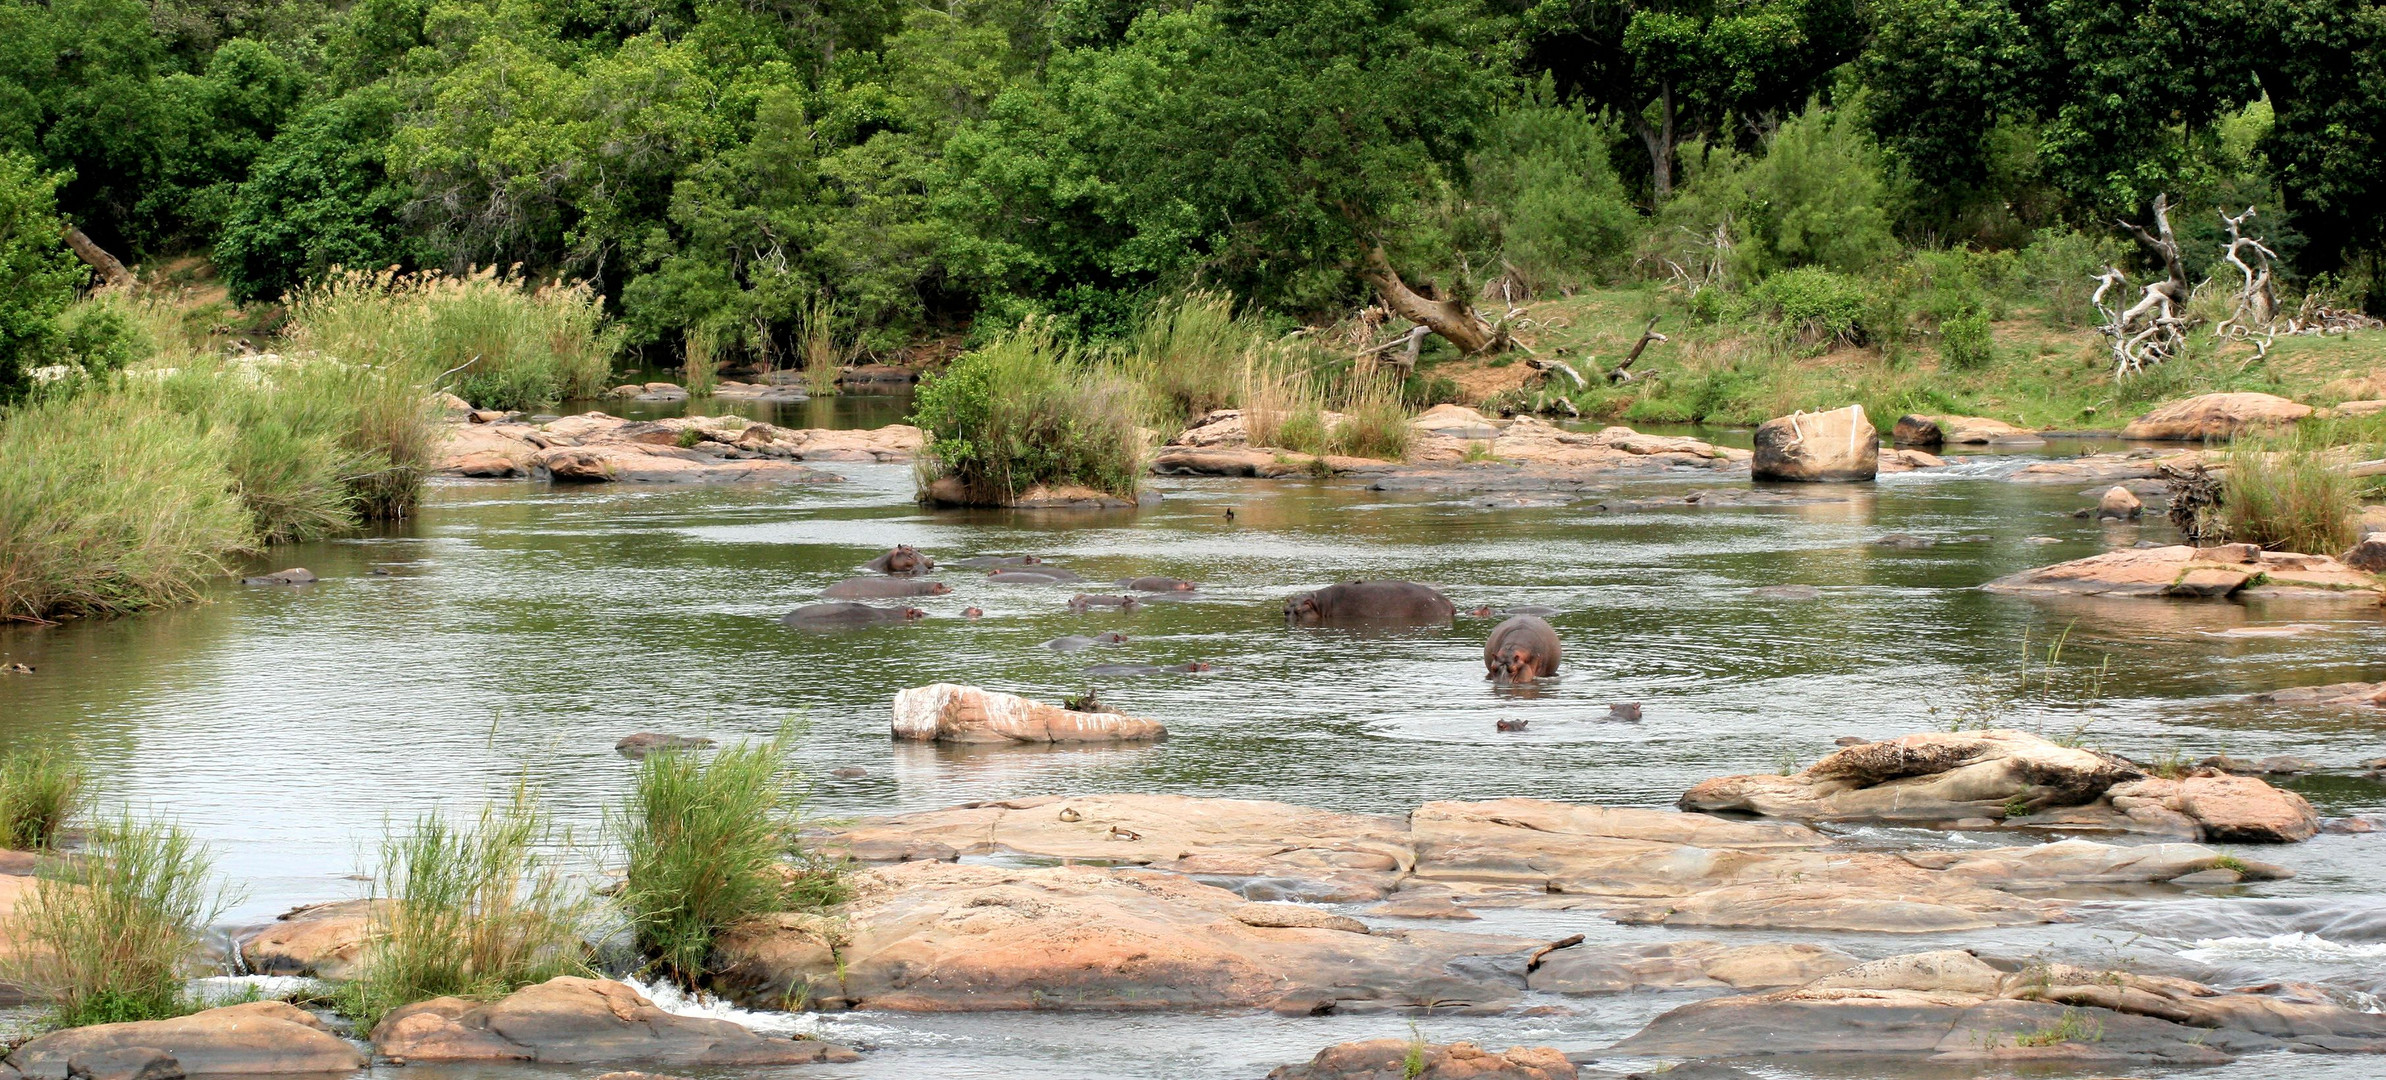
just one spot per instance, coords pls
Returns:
(2285, 495)
(712, 842)
(41, 788)
(502, 341)
(701, 371)
(1374, 419)
(109, 936)
(472, 912)
(1028, 410)
(1192, 352)
(2073, 1026)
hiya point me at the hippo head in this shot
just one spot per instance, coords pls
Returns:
(1483, 612)
(1112, 637)
(1030, 560)
(911, 613)
(1513, 664)
(1302, 611)
(1199, 665)
(972, 613)
(938, 588)
(905, 559)
(1182, 586)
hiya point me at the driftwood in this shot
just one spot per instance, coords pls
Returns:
(1452, 318)
(1619, 373)
(2255, 317)
(109, 268)
(2155, 328)
(2195, 502)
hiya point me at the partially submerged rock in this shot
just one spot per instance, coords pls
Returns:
(2211, 417)
(1929, 430)
(1399, 1059)
(2368, 556)
(568, 1020)
(950, 491)
(2144, 463)
(1836, 446)
(947, 712)
(260, 1038)
(1689, 964)
(2180, 571)
(1950, 1006)
(296, 575)
(642, 743)
(2332, 695)
(326, 941)
(2119, 504)
(696, 449)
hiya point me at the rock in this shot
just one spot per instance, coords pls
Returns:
(2141, 464)
(1390, 1059)
(1953, 1008)
(1219, 461)
(488, 451)
(2368, 556)
(1904, 540)
(326, 941)
(637, 1076)
(780, 393)
(2178, 571)
(2333, 694)
(1458, 422)
(946, 712)
(451, 407)
(1079, 497)
(2227, 809)
(2360, 408)
(849, 772)
(1907, 460)
(259, 1038)
(568, 1020)
(877, 376)
(2119, 503)
(129, 1063)
(1917, 430)
(1296, 916)
(647, 742)
(2213, 417)
(641, 463)
(1421, 907)
(296, 575)
(1840, 445)
(1692, 964)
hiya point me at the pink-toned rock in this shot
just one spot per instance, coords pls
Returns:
(2187, 572)
(323, 940)
(1929, 430)
(1693, 964)
(947, 712)
(1399, 1059)
(2228, 809)
(631, 462)
(486, 450)
(260, 1038)
(1835, 446)
(2215, 416)
(568, 1020)
(1902, 459)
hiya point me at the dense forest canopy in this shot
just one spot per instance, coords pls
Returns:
(889, 168)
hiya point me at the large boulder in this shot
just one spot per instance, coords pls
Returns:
(2368, 556)
(1400, 1059)
(1954, 1008)
(2225, 809)
(645, 463)
(1921, 430)
(323, 940)
(577, 1021)
(260, 1038)
(950, 713)
(2183, 572)
(1839, 445)
(2214, 417)
(2119, 504)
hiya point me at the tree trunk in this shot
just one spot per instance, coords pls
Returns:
(1452, 319)
(110, 270)
(1660, 141)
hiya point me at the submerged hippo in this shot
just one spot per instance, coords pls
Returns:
(1158, 584)
(1489, 612)
(843, 615)
(1521, 649)
(1080, 642)
(1382, 603)
(981, 562)
(1049, 575)
(879, 588)
(1194, 667)
(1088, 601)
(904, 559)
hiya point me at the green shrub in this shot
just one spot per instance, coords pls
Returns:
(110, 936)
(2286, 495)
(37, 274)
(472, 913)
(41, 788)
(1563, 216)
(501, 341)
(1814, 305)
(710, 845)
(111, 503)
(1027, 411)
(1966, 341)
(1189, 351)
(2060, 267)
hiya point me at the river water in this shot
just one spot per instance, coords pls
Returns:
(513, 631)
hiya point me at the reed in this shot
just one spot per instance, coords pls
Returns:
(713, 843)
(2288, 495)
(1029, 411)
(500, 341)
(1281, 404)
(110, 936)
(1374, 418)
(41, 789)
(701, 370)
(1191, 353)
(823, 360)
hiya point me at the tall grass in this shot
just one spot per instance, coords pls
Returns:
(111, 503)
(818, 344)
(701, 370)
(1281, 402)
(41, 788)
(473, 912)
(110, 936)
(2286, 494)
(504, 342)
(1028, 410)
(712, 843)
(1374, 418)
(1192, 353)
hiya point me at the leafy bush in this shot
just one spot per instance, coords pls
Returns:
(41, 788)
(110, 936)
(1027, 411)
(1814, 305)
(503, 342)
(471, 912)
(1563, 216)
(37, 274)
(2061, 265)
(712, 843)
(1966, 341)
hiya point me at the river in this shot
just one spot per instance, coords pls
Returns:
(511, 632)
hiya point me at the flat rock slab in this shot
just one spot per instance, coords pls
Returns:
(260, 1038)
(570, 1020)
(950, 713)
(1692, 964)
(2143, 464)
(1398, 1059)
(2183, 572)
(2332, 695)
(596, 447)
(2213, 417)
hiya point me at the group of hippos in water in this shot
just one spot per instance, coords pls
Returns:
(1521, 649)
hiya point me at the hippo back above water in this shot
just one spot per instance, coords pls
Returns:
(884, 587)
(1371, 603)
(841, 616)
(903, 559)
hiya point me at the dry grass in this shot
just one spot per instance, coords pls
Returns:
(2289, 494)
(110, 936)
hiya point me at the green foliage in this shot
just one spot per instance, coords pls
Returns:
(318, 198)
(110, 935)
(41, 788)
(1814, 305)
(1189, 352)
(471, 912)
(2287, 495)
(2073, 1026)
(1028, 410)
(713, 843)
(1966, 341)
(1560, 215)
(504, 342)
(37, 275)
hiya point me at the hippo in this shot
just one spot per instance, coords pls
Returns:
(1086, 601)
(1489, 612)
(1521, 649)
(1381, 603)
(842, 616)
(1158, 584)
(1080, 643)
(1195, 667)
(865, 588)
(1049, 575)
(904, 559)
(982, 562)
(973, 613)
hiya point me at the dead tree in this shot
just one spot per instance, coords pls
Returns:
(2155, 328)
(2255, 316)
(1452, 318)
(1619, 373)
(111, 270)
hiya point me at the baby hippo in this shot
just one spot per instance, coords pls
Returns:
(847, 616)
(1520, 650)
(1194, 667)
(879, 588)
(1088, 601)
(1364, 603)
(1080, 643)
(981, 562)
(1158, 584)
(904, 559)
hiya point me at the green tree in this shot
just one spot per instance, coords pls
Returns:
(37, 275)
(319, 196)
